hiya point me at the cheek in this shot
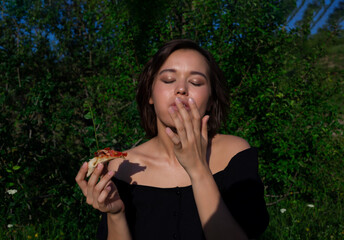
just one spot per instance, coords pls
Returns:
(161, 93)
(203, 105)
(154, 93)
(203, 100)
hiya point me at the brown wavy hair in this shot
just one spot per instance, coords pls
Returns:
(219, 95)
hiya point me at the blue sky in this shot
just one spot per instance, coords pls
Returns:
(321, 21)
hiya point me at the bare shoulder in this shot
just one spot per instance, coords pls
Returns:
(233, 143)
(130, 165)
(224, 148)
(131, 155)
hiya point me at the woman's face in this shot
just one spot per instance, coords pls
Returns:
(184, 74)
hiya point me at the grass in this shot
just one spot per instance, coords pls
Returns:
(52, 229)
(296, 219)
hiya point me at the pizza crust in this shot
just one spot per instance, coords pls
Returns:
(92, 164)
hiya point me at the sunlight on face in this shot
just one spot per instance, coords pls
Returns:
(184, 75)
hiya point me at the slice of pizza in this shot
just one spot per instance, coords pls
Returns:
(102, 156)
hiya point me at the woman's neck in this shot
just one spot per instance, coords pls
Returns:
(164, 146)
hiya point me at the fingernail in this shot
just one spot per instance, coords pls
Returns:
(110, 173)
(100, 166)
(191, 100)
(168, 130)
(207, 118)
(171, 110)
(178, 100)
(84, 165)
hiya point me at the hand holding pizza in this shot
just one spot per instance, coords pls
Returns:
(101, 194)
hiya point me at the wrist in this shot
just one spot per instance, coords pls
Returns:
(200, 174)
(117, 226)
(116, 216)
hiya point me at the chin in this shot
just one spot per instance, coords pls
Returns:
(164, 124)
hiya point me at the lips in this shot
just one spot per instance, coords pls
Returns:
(185, 103)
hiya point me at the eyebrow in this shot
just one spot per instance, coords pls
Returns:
(192, 72)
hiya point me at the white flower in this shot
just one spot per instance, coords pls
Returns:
(10, 225)
(283, 210)
(12, 191)
(310, 205)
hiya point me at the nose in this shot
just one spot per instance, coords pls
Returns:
(181, 89)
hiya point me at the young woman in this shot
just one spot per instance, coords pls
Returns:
(187, 181)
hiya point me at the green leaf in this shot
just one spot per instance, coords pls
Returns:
(15, 168)
(88, 115)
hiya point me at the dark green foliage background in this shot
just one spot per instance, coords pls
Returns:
(70, 67)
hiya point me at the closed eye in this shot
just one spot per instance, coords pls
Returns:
(196, 84)
(167, 81)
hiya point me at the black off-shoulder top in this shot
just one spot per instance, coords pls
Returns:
(171, 213)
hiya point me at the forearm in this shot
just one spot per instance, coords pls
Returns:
(118, 227)
(217, 221)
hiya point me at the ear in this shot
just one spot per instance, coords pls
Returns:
(151, 100)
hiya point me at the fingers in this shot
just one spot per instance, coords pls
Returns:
(196, 117)
(94, 188)
(80, 178)
(108, 190)
(205, 127)
(174, 137)
(92, 181)
(183, 121)
(102, 190)
(187, 122)
(109, 199)
(179, 125)
(99, 193)
(102, 183)
(109, 193)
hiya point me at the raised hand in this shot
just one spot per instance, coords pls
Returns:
(191, 137)
(101, 194)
